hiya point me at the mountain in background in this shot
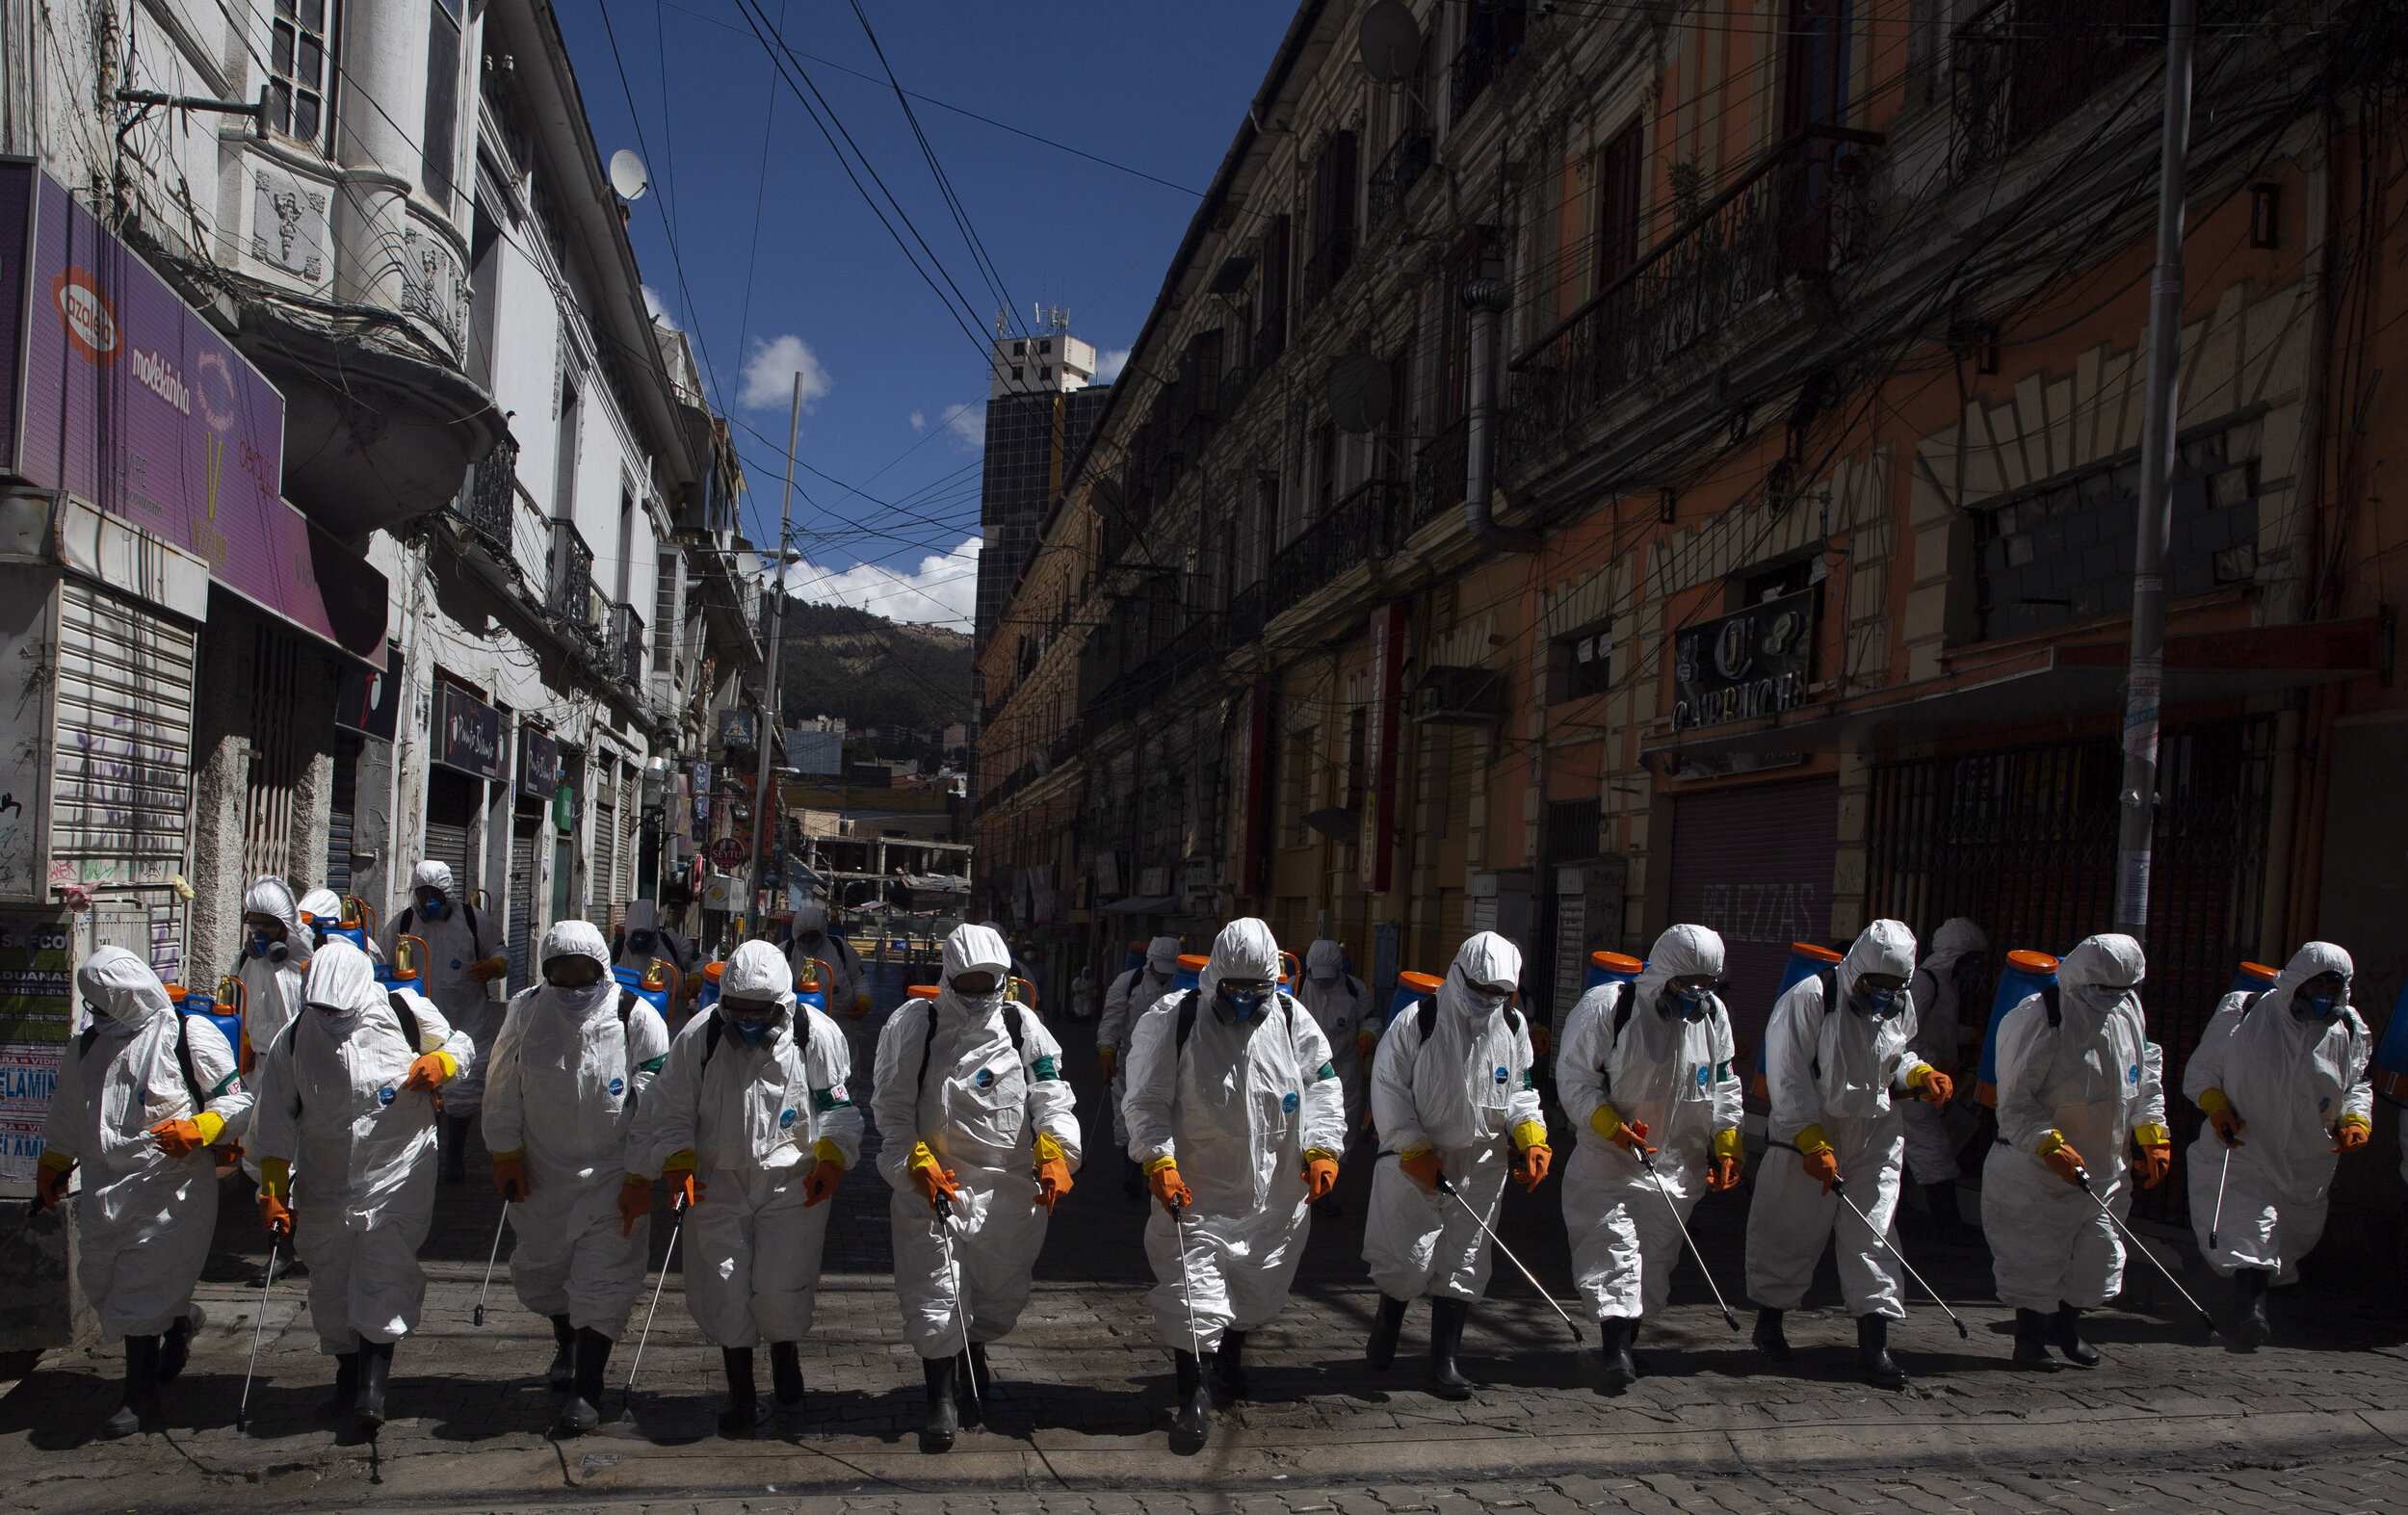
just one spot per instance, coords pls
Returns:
(892, 675)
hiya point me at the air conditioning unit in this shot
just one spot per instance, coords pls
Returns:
(1459, 696)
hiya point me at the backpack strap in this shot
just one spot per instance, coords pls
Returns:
(1011, 1027)
(927, 1045)
(83, 1043)
(401, 922)
(292, 1054)
(183, 1060)
(1425, 1016)
(408, 1019)
(2056, 1005)
(1187, 1024)
(1626, 1001)
(627, 1003)
(476, 930)
(710, 1034)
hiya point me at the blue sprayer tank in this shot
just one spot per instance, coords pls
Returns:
(2026, 974)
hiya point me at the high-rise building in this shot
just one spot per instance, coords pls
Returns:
(1041, 405)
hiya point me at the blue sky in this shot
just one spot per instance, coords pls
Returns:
(893, 381)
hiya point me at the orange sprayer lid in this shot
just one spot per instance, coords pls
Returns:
(922, 991)
(2030, 962)
(1196, 960)
(1420, 983)
(712, 971)
(1816, 951)
(1615, 962)
(176, 993)
(2262, 971)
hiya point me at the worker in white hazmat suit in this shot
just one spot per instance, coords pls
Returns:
(1342, 1005)
(1839, 1062)
(2281, 1077)
(980, 1141)
(644, 938)
(1946, 984)
(848, 990)
(343, 1135)
(321, 911)
(2081, 1089)
(1235, 1114)
(146, 1098)
(563, 1082)
(275, 958)
(1452, 1094)
(1645, 1067)
(752, 1120)
(1125, 1003)
(464, 956)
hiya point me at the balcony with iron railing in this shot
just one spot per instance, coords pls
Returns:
(622, 643)
(1401, 167)
(2020, 67)
(1327, 263)
(491, 498)
(570, 594)
(1365, 523)
(1440, 476)
(1491, 39)
(1807, 210)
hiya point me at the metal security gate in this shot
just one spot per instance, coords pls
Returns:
(271, 789)
(121, 781)
(452, 806)
(1755, 864)
(342, 803)
(2023, 843)
(522, 898)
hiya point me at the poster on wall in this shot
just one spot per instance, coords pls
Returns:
(37, 1018)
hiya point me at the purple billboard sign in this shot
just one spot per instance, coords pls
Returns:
(119, 392)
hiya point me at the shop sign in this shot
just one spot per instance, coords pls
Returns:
(538, 761)
(1753, 663)
(468, 733)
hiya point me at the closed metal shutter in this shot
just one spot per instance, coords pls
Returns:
(121, 775)
(342, 801)
(451, 800)
(604, 859)
(522, 900)
(1755, 864)
(271, 790)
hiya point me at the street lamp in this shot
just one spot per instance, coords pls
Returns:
(784, 556)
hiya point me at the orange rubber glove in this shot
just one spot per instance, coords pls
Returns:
(430, 1072)
(1165, 1182)
(181, 1139)
(679, 1171)
(486, 970)
(1421, 1168)
(1937, 1088)
(510, 1176)
(2228, 1125)
(2065, 1162)
(935, 1184)
(1541, 1039)
(2151, 1164)
(635, 1202)
(1631, 1138)
(822, 1181)
(1321, 1176)
(274, 1214)
(52, 1184)
(1530, 1169)
(1722, 1175)
(1106, 1056)
(2351, 1134)
(1823, 1164)
(1367, 1043)
(1053, 1181)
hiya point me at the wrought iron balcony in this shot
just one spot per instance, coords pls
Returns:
(491, 499)
(1327, 264)
(1490, 41)
(1361, 526)
(622, 643)
(1406, 160)
(2020, 67)
(571, 595)
(1806, 210)
(1440, 474)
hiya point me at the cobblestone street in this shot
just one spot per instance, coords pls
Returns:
(2318, 1423)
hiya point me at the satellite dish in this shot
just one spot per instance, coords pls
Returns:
(1358, 393)
(628, 175)
(1390, 41)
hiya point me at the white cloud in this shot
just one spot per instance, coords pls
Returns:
(967, 423)
(769, 370)
(918, 421)
(1109, 364)
(654, 307)
(943, 592)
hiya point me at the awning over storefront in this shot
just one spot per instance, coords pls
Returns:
(2057, 680)
(1134, 905)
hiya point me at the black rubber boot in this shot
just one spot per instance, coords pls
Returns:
(376, 1369)
(175, 1349)
(972, 1384)
(584, 1410)
(1770, 1338)
(1446, 1338)
(1873, 1352)
(1191, 1422)
(2066, 1335)
(2031, 1342)
(346, 1384)
(1229, 1364)
(2251, 1329)
(743, 1401)
(564, 1369)
(1619, 1332)
(786, 1372)
(1386, 1326)
(456, 1150)
(936, 1434)
(140, 1409)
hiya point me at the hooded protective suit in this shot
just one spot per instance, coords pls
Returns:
(984, 1106)
(1236, 1109)
(1837, 1076)
(271, 985)
(848, 988)
(458, 940)
(645, 938)
(1132, 994)
(754, 1122)
(1631, 1054)
(2294, 1081)
(144, 1218)
(2091, 1081)
(1939, 987)
(1342, 1006)
(1467, 1094)
(358, 1148)
(561, 1087)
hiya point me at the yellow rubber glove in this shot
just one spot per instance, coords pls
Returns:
(181, 1139)
(56, 1168)
(825, 1175)
(1730, 1153)
(1421, 1165)
(1931, 1083)
(1053, 1171)
(486, 970)
(1106, 1056)
(276, 1176)
(432, 1072)
(1817, 1156)
(1161, 1176)
(2217, 1106)
(679, 1171)
(1320, 1175)
(2062, 1161)
(2351, 1133)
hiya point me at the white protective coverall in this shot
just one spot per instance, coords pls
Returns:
(360, 1147)
(1668, 1073)
(144, 1219)
(2291, 1081)
(1940, 1040)
(643, 916)
(1340, 1004)
(2093, 1081)
(848, 992)
(1836, 1077)
(1132, 994)
(563, 1083)
(1236, 1109)
(1465, 1092)
(463, 937)
(271, 985)
(983, 1108)
(757, 1121)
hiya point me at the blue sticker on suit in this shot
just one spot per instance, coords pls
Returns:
(785, 1118)
(1288, 1102)
(618, 1086)
(1502, 1073)
(384, 1096)
(985, 1078)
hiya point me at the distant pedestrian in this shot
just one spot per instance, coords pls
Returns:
(1945, 985)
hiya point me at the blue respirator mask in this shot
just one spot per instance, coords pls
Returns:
(1692, 1004)
(2323, 1009)
(1243, 1003)
(260, 942)
(641, 942)
(434, 909)
(1877, 1004)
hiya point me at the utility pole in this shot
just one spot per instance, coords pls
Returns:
(770, 701)
(2146, 688)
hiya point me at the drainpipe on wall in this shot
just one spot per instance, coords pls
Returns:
(1484, 297)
